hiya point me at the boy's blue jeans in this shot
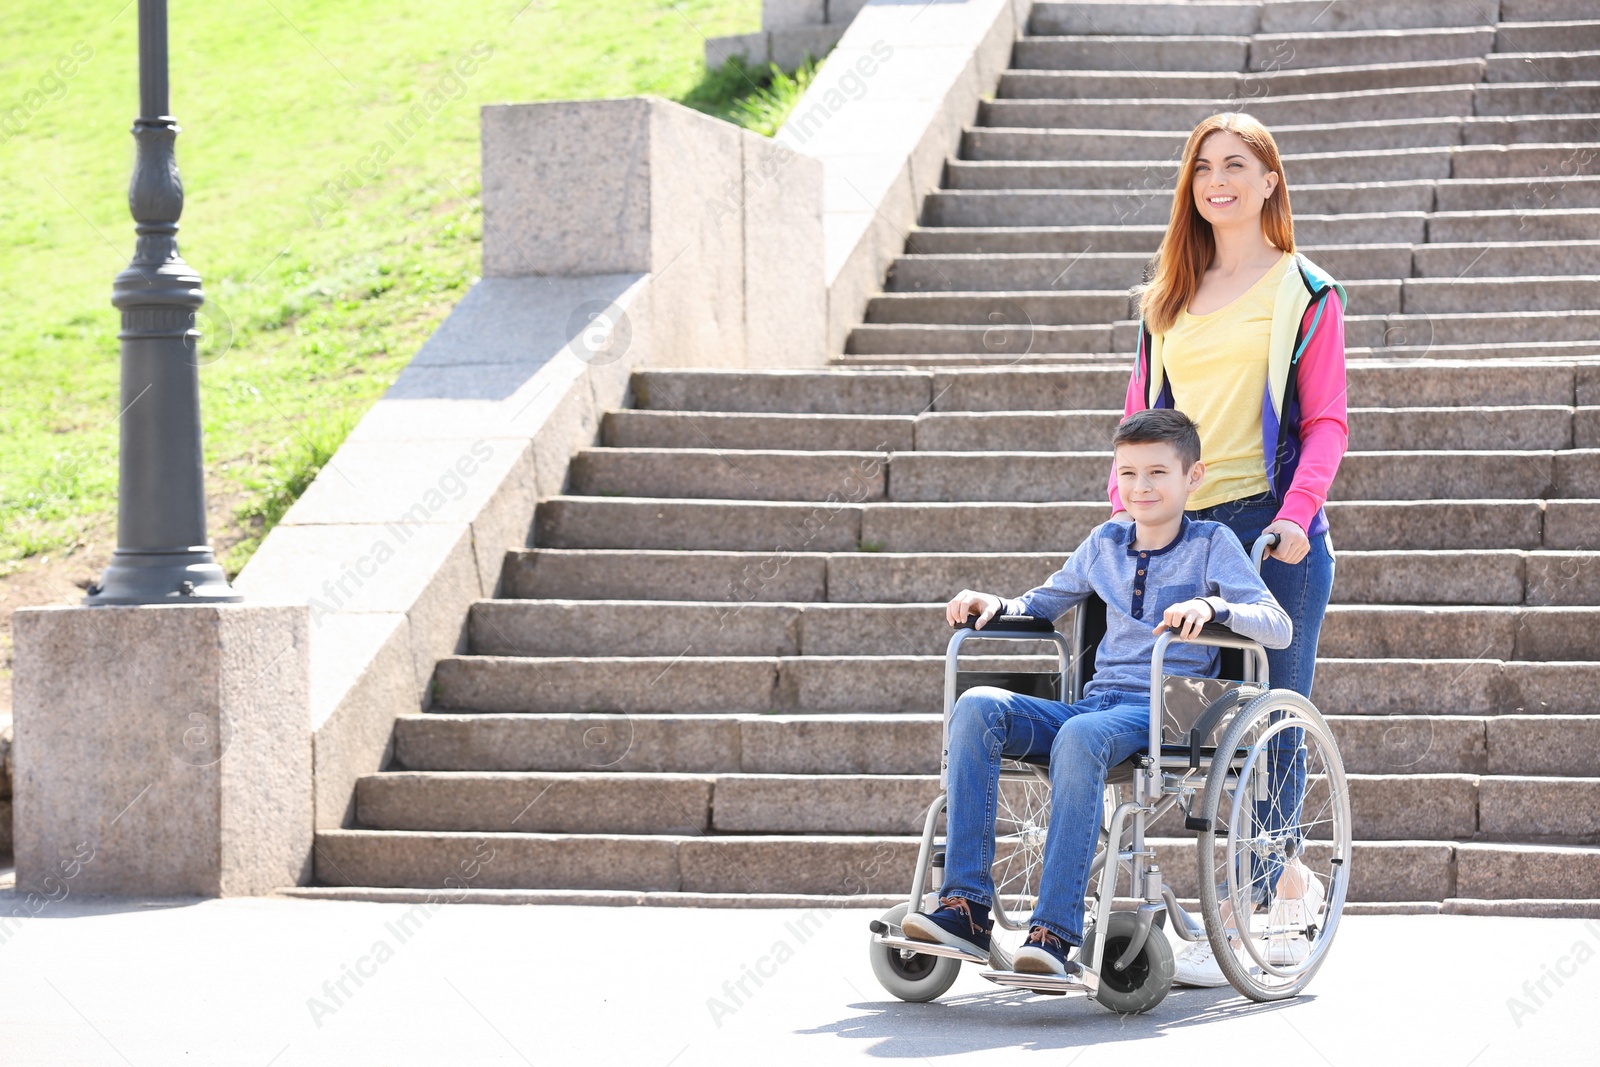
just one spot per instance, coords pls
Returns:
(1081, 742)
(1303, 590)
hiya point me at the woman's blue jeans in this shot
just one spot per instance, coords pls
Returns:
(1081, 742)
(1302, 589)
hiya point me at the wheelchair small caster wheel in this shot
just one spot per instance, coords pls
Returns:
(1146, 980)
(917, 977)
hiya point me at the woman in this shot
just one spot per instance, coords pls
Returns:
(1246, 336)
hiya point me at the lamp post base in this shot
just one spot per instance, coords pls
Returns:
(185, 577)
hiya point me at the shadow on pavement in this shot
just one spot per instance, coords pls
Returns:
(979, 1021)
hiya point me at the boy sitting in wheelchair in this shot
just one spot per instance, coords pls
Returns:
(1163, 570)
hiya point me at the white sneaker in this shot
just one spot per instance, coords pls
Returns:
(1199, 967)
(1296, 913)
(1289, 917)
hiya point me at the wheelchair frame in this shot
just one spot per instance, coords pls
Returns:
(1159, 782)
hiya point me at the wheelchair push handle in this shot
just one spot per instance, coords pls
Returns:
(1259, 549)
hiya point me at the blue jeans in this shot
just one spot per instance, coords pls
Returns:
(1080, 742)
(1302, 589)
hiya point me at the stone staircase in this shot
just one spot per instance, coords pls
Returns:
(716, 678)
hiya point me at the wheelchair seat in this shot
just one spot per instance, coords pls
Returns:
(1090, 630)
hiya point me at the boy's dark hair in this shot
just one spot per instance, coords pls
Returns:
(1161, 424)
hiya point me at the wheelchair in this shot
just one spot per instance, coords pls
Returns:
(1240, 781)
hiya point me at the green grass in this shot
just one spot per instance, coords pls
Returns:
(315, 302)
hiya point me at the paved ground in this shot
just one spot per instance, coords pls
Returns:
(255, 982)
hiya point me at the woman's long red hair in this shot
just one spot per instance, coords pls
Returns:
(1188, 246)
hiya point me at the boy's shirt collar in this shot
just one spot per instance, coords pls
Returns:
(1132, 535)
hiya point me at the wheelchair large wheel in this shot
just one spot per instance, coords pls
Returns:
(1146, 980)
(1263, 825)
(913, 976)
(1022, 819)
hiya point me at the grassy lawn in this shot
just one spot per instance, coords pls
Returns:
(316, 300)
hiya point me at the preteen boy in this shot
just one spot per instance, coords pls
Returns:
(1163, 570)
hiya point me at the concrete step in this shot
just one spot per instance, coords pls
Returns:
(908, 743)
(702, 685)
(785, 528)
(1028, 310)
(1434, 296)
(1046, 81)
(1506, 259)
(1537, 97)
(990, 208)
(1429, 131)
(1044, 476)
(1498, 871)
(1384, 807)
(1314, 233)
(1380, 870)
(1133, 113)
(1103, 144)
(1392, 47)
(1423, 332)
(1547, 36)
(1090, 271)
(1495, 576)
(1402, 296)
(1326, 168)
(1132, 52)
(1119, 16)
(1397, 165)
(747, 430)
(1521, 11)
(1013, 340)
(1516, 427)
(1543, 67)
(1557, 128)
(623, 628)
(1467, 383)
(1043, 358)
(1504, 226)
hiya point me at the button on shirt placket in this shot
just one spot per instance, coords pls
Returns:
(1138, 585)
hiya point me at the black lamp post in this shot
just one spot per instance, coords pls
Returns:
(162, 555)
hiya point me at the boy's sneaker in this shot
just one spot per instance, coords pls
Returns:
(1199, 967)
(958, 922)
(1044, 953)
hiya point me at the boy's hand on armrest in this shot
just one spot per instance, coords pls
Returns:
(1186, 618)
(971, 602)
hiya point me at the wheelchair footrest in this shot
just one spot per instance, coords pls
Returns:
(1083, 982)
(928, 948)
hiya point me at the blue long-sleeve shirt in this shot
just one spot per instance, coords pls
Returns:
(1204, 560)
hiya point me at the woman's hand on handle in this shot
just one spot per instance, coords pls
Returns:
(971, 602)
(1293, 544)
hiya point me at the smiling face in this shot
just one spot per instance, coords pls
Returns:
(1152, 482)
(1231, 184)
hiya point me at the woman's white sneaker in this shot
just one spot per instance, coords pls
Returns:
(1199, 967)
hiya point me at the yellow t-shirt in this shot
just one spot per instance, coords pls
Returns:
(1217, 366)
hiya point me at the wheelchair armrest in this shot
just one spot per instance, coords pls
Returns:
(1216, 629)
(1015, 624)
